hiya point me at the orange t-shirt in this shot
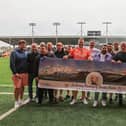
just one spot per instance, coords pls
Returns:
(80, 53)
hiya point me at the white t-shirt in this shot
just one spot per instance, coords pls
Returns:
(102, 58)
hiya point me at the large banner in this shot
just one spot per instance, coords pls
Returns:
(71, 74)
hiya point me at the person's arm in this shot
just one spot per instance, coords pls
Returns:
(36, 66)
(12, 63)
(115, 59)
(89, 56)
(70, 55)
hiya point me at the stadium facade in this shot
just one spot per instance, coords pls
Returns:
(66, 39)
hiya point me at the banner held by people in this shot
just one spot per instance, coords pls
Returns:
(71, 75)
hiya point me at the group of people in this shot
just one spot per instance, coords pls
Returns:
(25, 67)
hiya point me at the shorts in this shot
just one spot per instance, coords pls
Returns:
(20, 81)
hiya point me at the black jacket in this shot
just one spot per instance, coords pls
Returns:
(60, 54)
(31, 61)
(37, 60)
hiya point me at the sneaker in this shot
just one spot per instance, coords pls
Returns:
(36, 99)
(95, 104)
(73, 102)
(103, 103)
(85, 101)
(89, 98)
(16, 105)
(20, 102)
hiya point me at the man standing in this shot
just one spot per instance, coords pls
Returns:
(79, 53)
(43, 53)
(60, 53)
(120, 57)
(19, 68)
(31, 59)
(103, 56)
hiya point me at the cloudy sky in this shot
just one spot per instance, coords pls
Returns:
(16, 14)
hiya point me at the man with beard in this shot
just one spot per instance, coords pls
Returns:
(103, 56)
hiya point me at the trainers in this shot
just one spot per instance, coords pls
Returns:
(16, 104)
(73, 102)
(95, 104)
(103, 103)
(85, 101)
(20, 102)
(36, 100)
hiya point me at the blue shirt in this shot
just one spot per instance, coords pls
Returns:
(18, 61)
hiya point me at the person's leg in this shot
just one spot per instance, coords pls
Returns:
(96, 96)
(40, 95)
(67, 95)
(110, 98)
(30, 83)
(51, 96)
(36, 81)
(104, 99)
(16, 95)
(21, 92)
(84, 100)
(56, 95)
(88, 96)
(74, 100)
(61, 95)
(45, 94)
(120, 99)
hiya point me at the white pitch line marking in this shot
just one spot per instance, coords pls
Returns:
(12, 110)
(9, 93)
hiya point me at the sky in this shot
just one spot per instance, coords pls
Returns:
(15, 16)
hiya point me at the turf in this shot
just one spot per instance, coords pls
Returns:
(66, 115)
(61, 114)
(6, 103)
(5, 73)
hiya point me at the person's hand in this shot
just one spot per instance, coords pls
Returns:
(113, 61)
(90, 58)
(65, 57)
(17, 75)
(119, 61)
(36, 78)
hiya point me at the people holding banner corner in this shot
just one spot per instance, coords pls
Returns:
(120, 57)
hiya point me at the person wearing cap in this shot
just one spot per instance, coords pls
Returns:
(19, 68)
(31, 59)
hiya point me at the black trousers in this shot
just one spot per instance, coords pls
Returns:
(41, 92)
(31, 77)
